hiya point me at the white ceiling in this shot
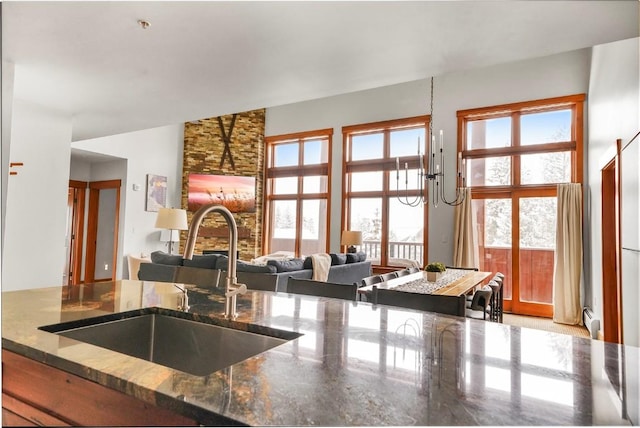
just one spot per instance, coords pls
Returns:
(92, 61)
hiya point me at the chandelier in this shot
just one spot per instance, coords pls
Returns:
(430, 172)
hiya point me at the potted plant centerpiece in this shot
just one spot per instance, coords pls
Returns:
(434, 271)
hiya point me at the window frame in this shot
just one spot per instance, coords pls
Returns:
(516, 191)
(387, 165)
(515, 110)
(299, 171)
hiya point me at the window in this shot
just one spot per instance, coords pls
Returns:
(392, 233)
(297, 192)
(515, 155)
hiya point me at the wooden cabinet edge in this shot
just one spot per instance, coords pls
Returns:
(48, 396)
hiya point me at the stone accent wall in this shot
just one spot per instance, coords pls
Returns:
(203, 151)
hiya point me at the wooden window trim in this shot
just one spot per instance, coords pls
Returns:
(515, 191)
(300, 170)
(535, 106)
(386, 165)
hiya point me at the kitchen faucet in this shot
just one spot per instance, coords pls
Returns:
(232, 288)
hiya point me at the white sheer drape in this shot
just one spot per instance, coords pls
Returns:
(568, 257)
(465, 239)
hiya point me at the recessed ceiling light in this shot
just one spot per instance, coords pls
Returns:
(144, 24)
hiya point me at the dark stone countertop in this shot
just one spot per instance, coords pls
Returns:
(355, 364)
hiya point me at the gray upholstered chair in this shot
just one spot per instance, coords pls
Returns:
(322, 289)
(389, 275)
(451, 305)
(480, 305)
(403, 272)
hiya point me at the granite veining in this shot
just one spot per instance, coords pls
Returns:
(353, 364)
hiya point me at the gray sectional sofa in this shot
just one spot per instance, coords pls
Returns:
(210, 270)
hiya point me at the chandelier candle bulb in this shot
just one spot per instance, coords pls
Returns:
(428, 171)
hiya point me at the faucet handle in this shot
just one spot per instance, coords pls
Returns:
(242, 288)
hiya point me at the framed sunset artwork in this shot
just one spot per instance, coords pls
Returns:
(236, 193)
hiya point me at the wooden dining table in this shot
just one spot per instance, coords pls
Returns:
(454, 282)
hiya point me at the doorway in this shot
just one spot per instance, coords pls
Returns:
(516, 232)
(74, 232)
(611, 281)
(102, 231)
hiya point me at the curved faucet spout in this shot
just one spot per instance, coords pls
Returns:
(230, 290)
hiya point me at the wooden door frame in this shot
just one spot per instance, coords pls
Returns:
(611, 249)
(77, 231)
(92, 228)
(517, 306)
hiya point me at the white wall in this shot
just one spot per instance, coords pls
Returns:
(557, 75)
(153, 151)
(34, 251)
(613, 113)
(7, 109)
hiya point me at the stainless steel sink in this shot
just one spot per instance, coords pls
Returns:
(174, 339)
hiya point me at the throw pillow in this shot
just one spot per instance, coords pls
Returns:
(207, 262)
(287, 265)
(352, 258)
(308, 263)
(362, 256)
(162, 258)
(338, 259)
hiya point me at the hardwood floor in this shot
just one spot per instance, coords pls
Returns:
(546, 324)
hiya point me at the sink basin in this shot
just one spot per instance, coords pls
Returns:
(195, 345)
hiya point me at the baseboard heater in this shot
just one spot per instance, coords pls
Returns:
(591, 322)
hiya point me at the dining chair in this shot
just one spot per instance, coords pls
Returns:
(370, 280)
(450, 305)
(322, 289)
(479, 305)
(497, 298)
(389, 275)
(403, 272)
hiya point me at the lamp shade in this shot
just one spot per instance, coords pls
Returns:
(351, 237)
(172, 218)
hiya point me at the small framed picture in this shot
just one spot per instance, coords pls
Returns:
(156, 192)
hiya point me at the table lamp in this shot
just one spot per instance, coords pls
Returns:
(173, 219)
(351, 238)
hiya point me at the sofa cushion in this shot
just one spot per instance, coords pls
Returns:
(362, 256)
(352, 258)
(287, 265)
(308, 263)
(248, 267)
(338, 259)
(163, 258)
(223, 262)
(207, 261)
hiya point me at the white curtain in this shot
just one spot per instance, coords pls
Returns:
(568, 258)
(465, 239)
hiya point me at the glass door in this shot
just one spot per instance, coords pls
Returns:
(536, 252)
(516, 236)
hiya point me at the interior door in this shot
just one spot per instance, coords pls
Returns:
(75, 232)
(102, 231)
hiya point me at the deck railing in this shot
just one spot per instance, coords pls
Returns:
(397, 250)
